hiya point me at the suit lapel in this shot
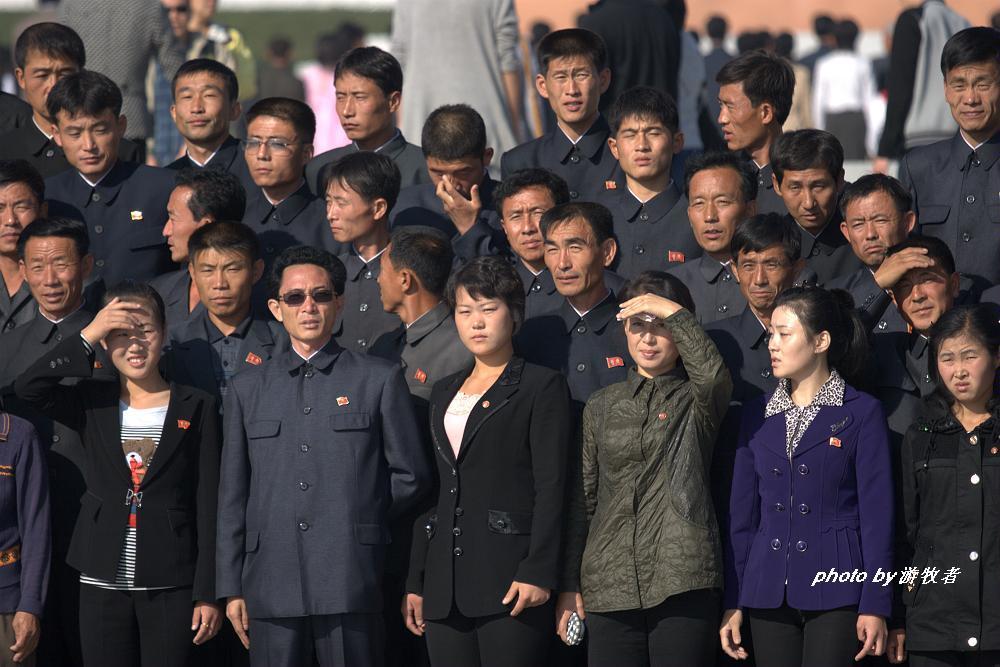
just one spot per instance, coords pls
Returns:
(109, 426)
(175, 426)
(492, 402)
(438, 409)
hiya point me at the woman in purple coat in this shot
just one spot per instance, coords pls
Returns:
(811, 513)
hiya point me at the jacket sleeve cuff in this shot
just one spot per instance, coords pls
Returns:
(31, 605)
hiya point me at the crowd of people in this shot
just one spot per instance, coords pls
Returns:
(370, 406)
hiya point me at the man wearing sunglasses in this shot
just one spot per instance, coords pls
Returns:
(280, 209)
(319, 457)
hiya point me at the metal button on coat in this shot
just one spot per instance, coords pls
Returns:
(974, 479)
(303, 485)
(307, 410)
(582, 329)
(574, 158)
(973, 641)
(581, 367)
(55, 438)
(368, 275)
(723, 308)
(973, 555)
(98, 229)
(49, 153)
(766, 373)
(779, 507)
(456, 532)
(803, 469)
(970, 199)
(639, 250)
(536, 287)
(801, 545)
(96, 196)
(363, 307)
(303, 526)
(304, 447)
(966, 236)
(776, 472)
(775, 544)
(457, 551)
(99, 262)
(644, 217)
(973, 439)
(459, 511)
(803, 509)
(573, 194)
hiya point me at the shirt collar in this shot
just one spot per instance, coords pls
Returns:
(322, 359)
(711, 268)
(94, 184)
(214, 335)
(278, 203)
(830, 394)
(664, 382)
(589, 143)
(394, 137)
(207, 160)
(39, 127)
(584, 313)
(654, 208)
(597, 317)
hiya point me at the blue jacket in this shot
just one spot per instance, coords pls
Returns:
(828, 506)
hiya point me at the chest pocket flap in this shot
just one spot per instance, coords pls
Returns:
(350, 421)
(932, 214)
(264, 428)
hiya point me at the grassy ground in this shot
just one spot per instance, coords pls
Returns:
(301, 27)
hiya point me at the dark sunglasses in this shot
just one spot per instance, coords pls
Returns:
(297, 297)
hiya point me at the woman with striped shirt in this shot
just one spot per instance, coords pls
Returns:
(144, 541)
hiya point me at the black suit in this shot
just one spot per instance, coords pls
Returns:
(229, 158)
(409, 159)
(957, 198)
(651, 236)
(175, 544)
(65, 459)
(499, 510)
(14, 112)
(124, 213)
(28, 143)
(586, 166)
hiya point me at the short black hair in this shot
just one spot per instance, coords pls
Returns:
(978, 323)
(597, 217)
(823, 25)
(371, 175)
(132, 290)
(21, 171)
(534, 177)
(64, 228)
(869, 184)
(371, 62)
(937, 250)
(659, 284)
(305, 254)
(230, 83)
(291, 111)
(644, 102)
(489, 277)
(453, 132)
(54, 40)
(214, 193)
(85, 92)
(569, 43)
(765, 78)
(717, 27)
(969, 46)
(425, 251)
(225, 236)
(807, 149)
(846, 34)
(722, 160)
(759, 232)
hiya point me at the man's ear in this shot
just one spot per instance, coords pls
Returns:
(487, 156)
(844, 229)
(909, 221)
(380, 209)
(613, 147)
(954, 284)
(678, 142)
(235, 111)
(407, 281)
(766, 112)
(122, 125)
(605, 77)
(258, 270)
(275, 308)
(394, 99)
(609, 249)
(19, 77)
(775, 184)
(541, 86)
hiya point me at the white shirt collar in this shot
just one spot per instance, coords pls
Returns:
(374, 257)
(584, 313)
(582, 134)
(47, 135)
(201, 164)
(94, 184)
(422, 316)
(61, 318)
(392, 139)
(967, 143)
(669, 185)
(314, 353)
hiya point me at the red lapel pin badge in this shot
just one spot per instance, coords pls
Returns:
(254, 359)
(835, 442)
(420, 376)
(614, 362)
(183, 424)
(343, 400)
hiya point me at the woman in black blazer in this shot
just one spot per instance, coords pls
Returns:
(144, 541)
(485, 559)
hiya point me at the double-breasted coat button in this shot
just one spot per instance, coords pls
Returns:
(775, 544)
(801, 545)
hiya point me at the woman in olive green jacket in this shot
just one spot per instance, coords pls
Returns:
(643, 563)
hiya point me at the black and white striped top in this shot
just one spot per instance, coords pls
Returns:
(140, 436)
